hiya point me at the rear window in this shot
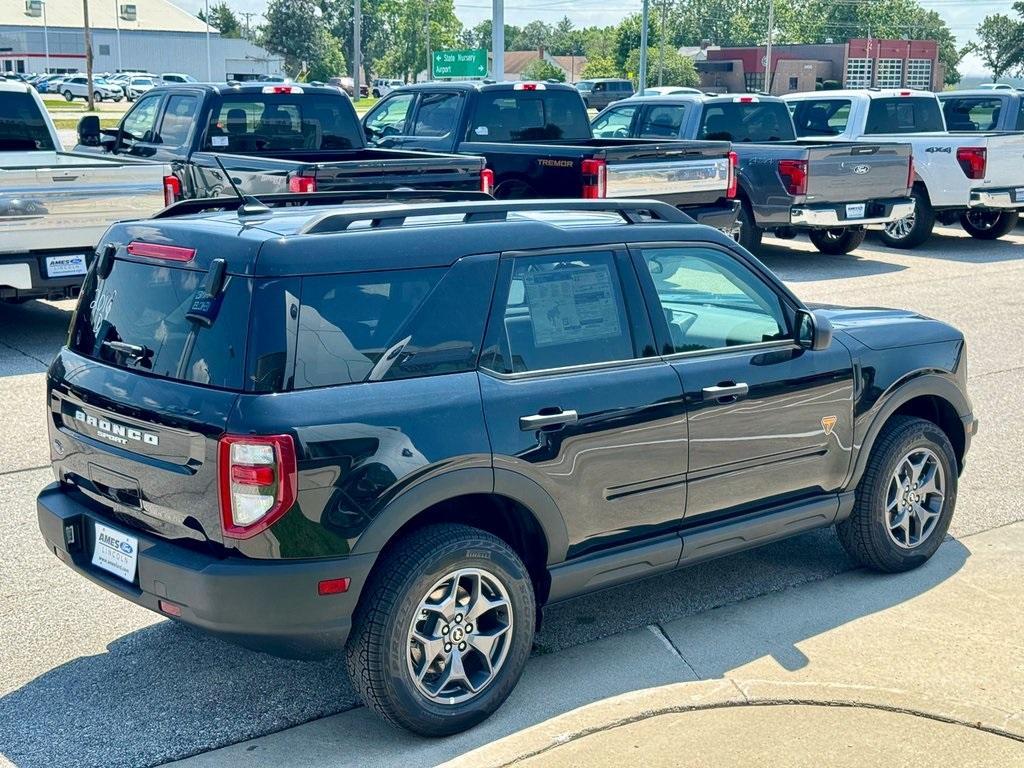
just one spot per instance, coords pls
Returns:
(821, 117)
(253, 122)
(904, 115)
(529, 116)
(22, 127)
(746, 122)
(136, 319)
(972, 114)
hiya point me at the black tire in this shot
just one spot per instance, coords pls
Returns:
(921, 224)
(750, 235)
(379, 646)
(837, 241)
(514, 190)
(865, 533)
(988, 225)
(68, 96)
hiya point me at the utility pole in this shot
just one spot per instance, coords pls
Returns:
(661, 46)
(643, 47)
(46, 39)
(248, 15)
(768, 52)
(117, 26)
(209, 65)
(88, 53)
(430, 62)
(357, 45)
(498, 39)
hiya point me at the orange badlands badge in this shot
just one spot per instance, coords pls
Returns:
(828, 423)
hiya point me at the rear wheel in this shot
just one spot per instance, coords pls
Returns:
(839, 240)
(69, 96)
(749, 235)
(911, 231)
(988, 225)
(443, 631)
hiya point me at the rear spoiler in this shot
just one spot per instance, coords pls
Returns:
(295, 199)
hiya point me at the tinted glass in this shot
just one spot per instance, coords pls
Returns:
(144, 306)
(140, 123)
(904, 115)
(821, 117)
(529, 116)
(614, 124)
(253, 123)
(661, 122)
(972, 114)
(177, 120)
(436, 114)
(711, 301)
(754, 121)
(390, 117)
(562, 311)
(21, 124)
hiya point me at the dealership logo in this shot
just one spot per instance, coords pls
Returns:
(116, 433)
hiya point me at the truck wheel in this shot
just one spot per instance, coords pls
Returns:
(69, 96)
(988, 225)
(514, 190)
(749, 235)
(912, 230)
(837, 241)
(443, 630)
(905, 499)
(376, 93)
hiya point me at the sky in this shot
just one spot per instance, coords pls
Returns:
(963, 16)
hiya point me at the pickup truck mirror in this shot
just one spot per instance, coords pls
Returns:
(813, 330)
(89, 131)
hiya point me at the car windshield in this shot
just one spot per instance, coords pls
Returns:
(257, 122)
(22, 127)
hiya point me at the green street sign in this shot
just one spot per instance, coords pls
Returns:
(470, 63)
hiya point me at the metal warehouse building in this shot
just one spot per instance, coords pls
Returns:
(150, 35)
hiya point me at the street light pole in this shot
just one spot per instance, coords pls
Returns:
(46, 38)
(768, 51)
(498, 39)
(117, 26)
(88, 54)
(661, 45)
(430, 63)
(643, 47)
(209, 62)
(357, 44)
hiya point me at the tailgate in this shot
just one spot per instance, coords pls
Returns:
(1004, 168)
(695, 170)
(857, 172)
(399, 169)
(70, 203)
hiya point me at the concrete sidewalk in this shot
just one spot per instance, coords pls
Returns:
(859, 669)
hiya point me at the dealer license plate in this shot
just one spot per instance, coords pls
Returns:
(115, 552)
(1018, 195)
(856, 211)
(65, 266)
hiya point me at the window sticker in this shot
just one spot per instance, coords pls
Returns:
(572, 305)
(219, 141)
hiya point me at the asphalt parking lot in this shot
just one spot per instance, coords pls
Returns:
(87, 679)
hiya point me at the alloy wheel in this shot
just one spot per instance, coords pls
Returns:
(915, 497)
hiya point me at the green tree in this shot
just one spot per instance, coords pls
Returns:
(679, 69)
(406, 54)
(297, 31)
(600, 66)
(566, 40)
(999, 44)
(330, 63)
(225, 21)
(541, 69)
(534, 36)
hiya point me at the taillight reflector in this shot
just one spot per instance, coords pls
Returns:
(595, 179)
(160, 251)
(734, 161)
(910, 173)
(487, 181)
(172, 190)
(281, 89)
(333, 586)
(973, 161)
(794, 175)
(169, 608)
(257, 482)
(302, 184)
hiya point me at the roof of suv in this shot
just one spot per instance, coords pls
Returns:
(870, 93)
(251, 87)
(476, 85)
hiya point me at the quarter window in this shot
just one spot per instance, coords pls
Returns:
(711, 301)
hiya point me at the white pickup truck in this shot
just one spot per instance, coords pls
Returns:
(974, 178)
(55, 205)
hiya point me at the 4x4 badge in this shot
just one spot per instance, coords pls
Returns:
(828, 423)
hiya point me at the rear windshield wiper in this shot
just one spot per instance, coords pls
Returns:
(131, 350)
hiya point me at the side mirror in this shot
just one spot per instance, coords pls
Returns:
(813, 330)
(89, 131)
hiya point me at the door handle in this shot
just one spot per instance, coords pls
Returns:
(725, 391)
(541, 420)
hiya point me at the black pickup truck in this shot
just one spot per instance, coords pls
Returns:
(272, 138)
(537, 140)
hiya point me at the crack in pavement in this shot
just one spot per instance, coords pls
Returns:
(42, 362)
(659, 632)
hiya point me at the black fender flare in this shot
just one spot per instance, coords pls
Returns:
(461, 482)
(928, 384)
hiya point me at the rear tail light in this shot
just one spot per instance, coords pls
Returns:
(172, 190)
(910, 173)
(595, 179)
(487, 181)
(529, 87)
(302, 184)
(745, 100)
(973, 161)
(160, 251)
(794, 176)
(734, 161)
(257, 482)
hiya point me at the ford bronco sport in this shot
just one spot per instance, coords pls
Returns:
(401, 428)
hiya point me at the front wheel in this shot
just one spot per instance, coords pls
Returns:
(988, 225)
(97, 96)
(69, 96)
(911, 231)
(838, 241)
(443, 630)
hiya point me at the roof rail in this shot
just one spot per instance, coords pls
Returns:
(295, 199)
(632, 212)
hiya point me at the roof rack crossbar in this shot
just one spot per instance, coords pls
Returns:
(632, 211)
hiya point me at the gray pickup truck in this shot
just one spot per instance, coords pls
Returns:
(55, 205)
(831, 190)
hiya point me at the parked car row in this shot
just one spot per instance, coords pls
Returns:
(106, 87)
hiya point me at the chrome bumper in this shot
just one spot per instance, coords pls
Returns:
(997, 198)
(828, 218)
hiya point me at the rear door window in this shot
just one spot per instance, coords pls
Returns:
(904, 115)
(436, 115)
(746, 122)
(661, 122)
(821, 117)
(179, 116)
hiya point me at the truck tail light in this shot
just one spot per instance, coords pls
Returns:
(910, 173)
(160, 251)
(745, 100)
(282, 89)
(172, 190)
(487, 181)
(794, 176)
(595, 179)
(302, 184)
(257, 482)
(734, 161)
(529, 87)
(973, 161)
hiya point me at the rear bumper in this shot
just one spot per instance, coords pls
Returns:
(270, 606)
(837, 214)
(26, 275)
(720, 215)
(1005, 199)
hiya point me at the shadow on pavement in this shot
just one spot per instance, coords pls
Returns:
(31, 334)
(950, 244)
(797, 266)
(167, 691)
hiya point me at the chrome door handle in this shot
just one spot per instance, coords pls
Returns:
(541, 420)
(722, 392)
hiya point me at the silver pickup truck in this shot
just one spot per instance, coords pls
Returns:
(55, 205)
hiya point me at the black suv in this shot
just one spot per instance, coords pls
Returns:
(401, 428)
